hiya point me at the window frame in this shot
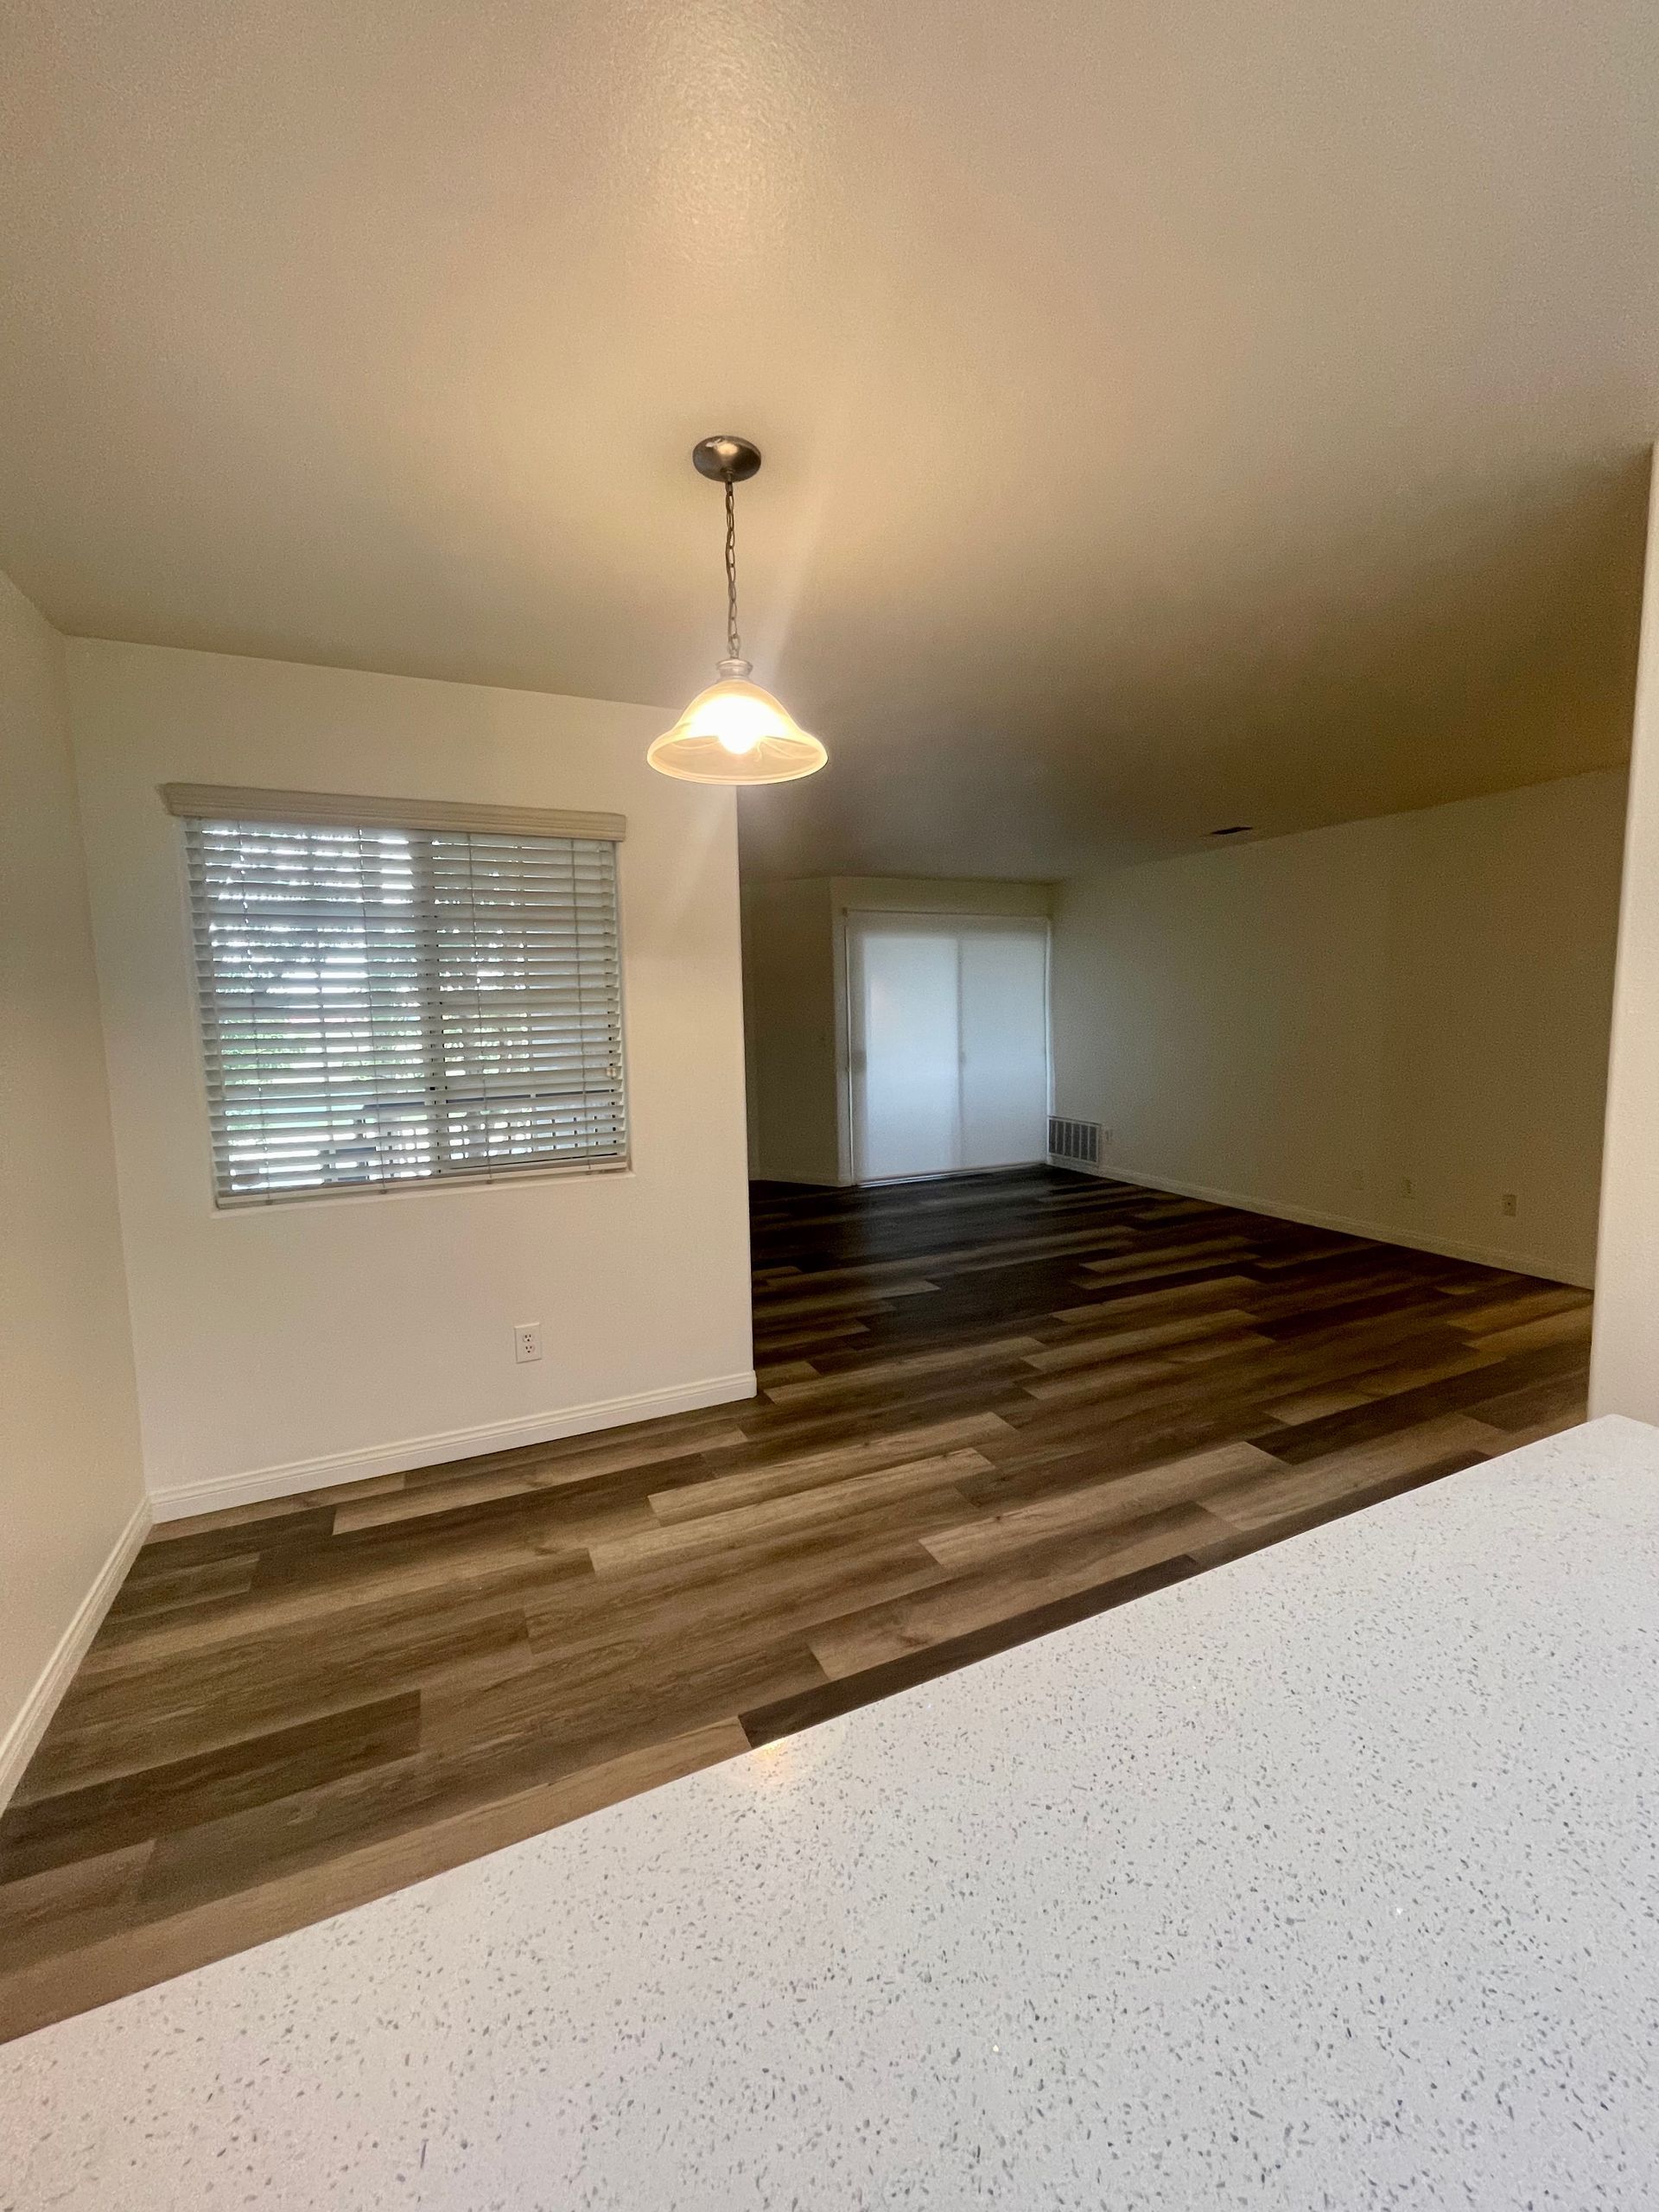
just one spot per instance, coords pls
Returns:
(232, 807)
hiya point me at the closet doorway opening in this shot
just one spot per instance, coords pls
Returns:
(948, 1061)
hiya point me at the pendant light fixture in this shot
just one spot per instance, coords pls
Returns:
(734, 733)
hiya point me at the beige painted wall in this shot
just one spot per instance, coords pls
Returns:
(326, 1338)
(795, 979)
(937, 894)
(1624, 1356)
(1307, 1023)
(789, 976)
(70, 1480)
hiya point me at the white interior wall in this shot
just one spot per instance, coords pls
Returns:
(283, 1346)
(72, 1497)
(1307, 1025)
(1625, 1355)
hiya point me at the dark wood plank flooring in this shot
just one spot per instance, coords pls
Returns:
(990, 1408)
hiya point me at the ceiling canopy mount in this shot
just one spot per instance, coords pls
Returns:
(726, 458)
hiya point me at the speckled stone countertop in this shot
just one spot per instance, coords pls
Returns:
(1330, 1879)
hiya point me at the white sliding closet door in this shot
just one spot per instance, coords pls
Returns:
(906, 1045)
(1004, 1000)
(949, 1043)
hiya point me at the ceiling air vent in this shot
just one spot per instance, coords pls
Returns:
(1074, 1144)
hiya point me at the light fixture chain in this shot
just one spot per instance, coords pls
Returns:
(733, 646)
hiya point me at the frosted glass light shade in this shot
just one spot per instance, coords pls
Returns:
(735, 733)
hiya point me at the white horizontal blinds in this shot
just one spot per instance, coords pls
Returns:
(529, 996)
(383, 1005)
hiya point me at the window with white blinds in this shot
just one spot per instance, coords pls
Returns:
(384, 1005)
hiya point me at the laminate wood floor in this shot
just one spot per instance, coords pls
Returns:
(990, 1408)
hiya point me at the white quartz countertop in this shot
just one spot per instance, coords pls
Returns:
(1329, 1879)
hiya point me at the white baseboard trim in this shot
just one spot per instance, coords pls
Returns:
(18, 1743)
(1483, 1256)
(173, 1502)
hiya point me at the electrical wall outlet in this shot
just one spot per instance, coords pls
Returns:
(1509, 1204)
(1356, 1179)
(1408, 1190)
(527, 1341)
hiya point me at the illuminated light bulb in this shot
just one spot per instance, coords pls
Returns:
(735, 733)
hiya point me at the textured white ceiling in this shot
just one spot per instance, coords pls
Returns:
(1173, 415)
